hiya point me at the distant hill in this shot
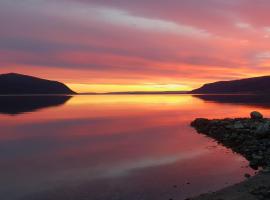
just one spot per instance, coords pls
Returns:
(13, 83)
(257, 85)
(147, 92)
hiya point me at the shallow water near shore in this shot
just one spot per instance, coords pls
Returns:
(116, 147)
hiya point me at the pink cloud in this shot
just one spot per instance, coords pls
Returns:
(187, 41)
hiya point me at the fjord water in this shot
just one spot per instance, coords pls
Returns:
(115, 147)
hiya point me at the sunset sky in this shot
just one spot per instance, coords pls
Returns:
(135, 45)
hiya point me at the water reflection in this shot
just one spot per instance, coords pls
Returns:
(252, 100)
(14, 105)
(116, 147)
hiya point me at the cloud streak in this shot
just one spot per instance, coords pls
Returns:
(183, 42)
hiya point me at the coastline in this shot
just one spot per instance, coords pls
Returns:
(249, 137)
(254, 188)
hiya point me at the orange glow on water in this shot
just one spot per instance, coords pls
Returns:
(120, 136)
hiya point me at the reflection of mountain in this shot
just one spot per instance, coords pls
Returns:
(19, 104)
(252, 100)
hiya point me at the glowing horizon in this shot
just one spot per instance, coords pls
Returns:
(109, 46)
(103, 88)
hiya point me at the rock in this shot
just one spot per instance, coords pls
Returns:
(257, 157)
(262, 130)
(247, 175)
(256, 115)
(266, 170)
(247, 136)
(261, 192)
(238, 125)
(200, 122)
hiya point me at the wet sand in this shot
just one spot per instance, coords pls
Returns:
(250, 189)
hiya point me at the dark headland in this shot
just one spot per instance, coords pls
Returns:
(249, 137)
(18, 84)
(256, 85)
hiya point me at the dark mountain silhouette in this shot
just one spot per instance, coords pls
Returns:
(14, 105)
(257, 85)
(262, 101)
(13, 83)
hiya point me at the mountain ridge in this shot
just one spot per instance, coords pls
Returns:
(15, 83)
(253, 85)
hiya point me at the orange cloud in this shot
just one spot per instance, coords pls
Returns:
(103, 46)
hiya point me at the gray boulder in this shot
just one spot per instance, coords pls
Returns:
(263, 129)
(238, 125)
(256, 115)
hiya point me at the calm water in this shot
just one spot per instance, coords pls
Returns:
(137, 147)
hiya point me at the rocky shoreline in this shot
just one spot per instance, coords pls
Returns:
(249, 137)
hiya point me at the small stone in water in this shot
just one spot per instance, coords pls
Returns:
(247, 175)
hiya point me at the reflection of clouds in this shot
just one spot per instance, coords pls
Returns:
(118, 137)
(123, 168)
(128, 167)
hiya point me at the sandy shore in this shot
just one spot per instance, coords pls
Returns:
(254, 188)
